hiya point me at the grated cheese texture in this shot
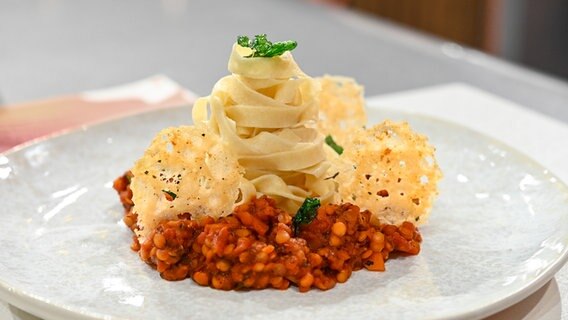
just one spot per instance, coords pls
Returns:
(389, 170)
(341, 108)
(185, 169)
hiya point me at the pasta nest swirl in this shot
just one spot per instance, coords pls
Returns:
(266, 113)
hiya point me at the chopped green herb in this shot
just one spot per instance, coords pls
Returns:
(243, 41)
(306, 214)
(337, 148)
(171, 194)
(261, 47)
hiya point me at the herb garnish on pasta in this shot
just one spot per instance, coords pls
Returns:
(263, 48)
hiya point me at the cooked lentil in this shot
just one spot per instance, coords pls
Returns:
(254, 247)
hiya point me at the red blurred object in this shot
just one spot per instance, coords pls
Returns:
(23, 122)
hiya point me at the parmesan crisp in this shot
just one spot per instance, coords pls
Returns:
(387, 169)
(391, 171)
(341, 107)
(185, 169)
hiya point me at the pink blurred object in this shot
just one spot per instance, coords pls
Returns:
(26, 121)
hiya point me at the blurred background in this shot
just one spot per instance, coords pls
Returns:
(51, 48)
(533, 33)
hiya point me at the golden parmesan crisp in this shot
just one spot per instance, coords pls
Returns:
(185, 169)
(342, 107)
(389, 170)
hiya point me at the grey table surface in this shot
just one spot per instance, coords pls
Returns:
(54, 47)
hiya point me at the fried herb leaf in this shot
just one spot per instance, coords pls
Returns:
(306, 214)
(330, 142)
(263, 48)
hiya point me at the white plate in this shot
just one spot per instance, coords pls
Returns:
(498, 232)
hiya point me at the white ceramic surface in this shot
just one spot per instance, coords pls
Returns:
(498, 232)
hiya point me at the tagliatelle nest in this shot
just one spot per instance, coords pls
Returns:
(342, 107)
(185, 169)
(389, 170)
